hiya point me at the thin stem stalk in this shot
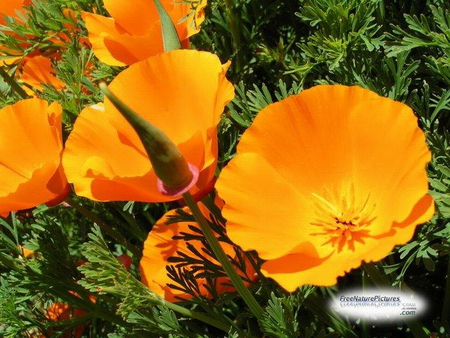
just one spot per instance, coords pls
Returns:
(195, 315)
(235, 32)
(14, 85)
(246, 295)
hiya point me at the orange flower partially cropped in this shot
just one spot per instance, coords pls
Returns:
(325, 180)
(33, 71)
(104, 157)
(31, 62)
(164, 242)
(30, 152)
(37, 71)
(59, 312)
(133, 33)
(13, 9)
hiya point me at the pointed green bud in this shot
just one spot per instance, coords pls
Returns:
(176, 176)
(171, 41)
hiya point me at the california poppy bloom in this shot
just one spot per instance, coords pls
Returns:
(35, 68)
(30, 152)
(33, 71)
(38, 70)
(325, 180)
(164, 241)
(133, 33)
(104, 157)
(58, 312)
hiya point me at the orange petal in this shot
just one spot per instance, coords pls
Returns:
(101, 166)
(12, 8)
(136, 18)
(271, 223)
(37, 71)
(181, 98)
(114, 46)
(30, 128)
(296, 269)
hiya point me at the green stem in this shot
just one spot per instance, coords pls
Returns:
(235, 32)
(195, 315)
(446, 307)
(251, 302)
(105, 227)
(380, 281)
(14, 85)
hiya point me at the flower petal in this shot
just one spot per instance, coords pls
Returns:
(296, 269)
(137, 18)
(38, 70)
(269, 227)
(114, 46)
(101, 165)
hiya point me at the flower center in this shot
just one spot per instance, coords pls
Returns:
(343, 216)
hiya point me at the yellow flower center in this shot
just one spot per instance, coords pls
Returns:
(343, 216)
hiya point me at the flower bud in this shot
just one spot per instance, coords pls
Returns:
(176, 176)
(171, 41)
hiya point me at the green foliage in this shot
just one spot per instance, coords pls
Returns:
(344, 29)
(280, 318)
(423, 31)
(104, 274)
(139, 306)
(244, 32)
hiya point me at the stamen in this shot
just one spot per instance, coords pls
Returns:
(343, 216)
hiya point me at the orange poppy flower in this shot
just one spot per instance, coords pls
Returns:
(11, 8)
(38, 70)
(104, 157)
(34, 71)
(324, 180)
(134, 31)
(30, 152)
(58, 312)
(33, 68)
(164, 242)
(61, 312)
